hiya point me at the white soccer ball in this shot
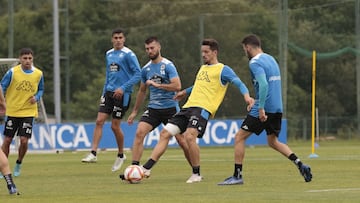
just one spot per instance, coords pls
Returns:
(133, 174)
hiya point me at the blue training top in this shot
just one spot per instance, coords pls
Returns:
(160, 73)
(122, 70)
(265, 73)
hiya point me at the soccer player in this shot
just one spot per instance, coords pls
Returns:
(4, 162)
(267, 111)
(23, 86)
(122, 73)
(160, 76)
(206, 95)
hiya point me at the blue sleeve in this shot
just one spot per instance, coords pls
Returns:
(40, 91)
(228, 76)
(263, 89)
(260, 77)
(172, 72)
(188, 90)
(134, 66)
(5, 82)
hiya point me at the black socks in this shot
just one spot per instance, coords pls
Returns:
(149, 164)
(238, 170)
(295, 159)
(135, 162)
(8, 179)
(196, 170)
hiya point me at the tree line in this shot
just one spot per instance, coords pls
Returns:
(321, 25)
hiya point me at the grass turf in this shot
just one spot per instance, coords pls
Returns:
(268, 177)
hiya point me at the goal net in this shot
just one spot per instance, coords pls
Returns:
(5, 65)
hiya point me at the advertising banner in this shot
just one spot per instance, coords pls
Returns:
(71, 136)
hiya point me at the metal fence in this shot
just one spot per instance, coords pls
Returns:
(328, 128)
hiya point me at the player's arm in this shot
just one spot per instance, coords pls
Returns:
(263, 89)
(5, 81)
(173, 86)
(229, 76)
(139, 100)
(183, 93)
(40, 91)
(135, 68)
(260, 77)
(175, 83)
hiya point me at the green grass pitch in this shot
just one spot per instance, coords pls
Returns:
(268, 177)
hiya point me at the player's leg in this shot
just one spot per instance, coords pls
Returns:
(8, 136)
(142, 130)
(4, 163)
(194, 151)
(97, 134)
(274, 143)
(5, 170)
(162, 145)
(273, 128)
(285, 150)
(239, 155)
(25, 132)
(11, 126)
(165, 116)
(166, 133)
(119, 137)
(6, 145)
(149, 120)
(119, 110)
(184, 146)
(196, 126)
(175, 125)
(105, 108)
(249, 125)
(23, 147)
(239, 145)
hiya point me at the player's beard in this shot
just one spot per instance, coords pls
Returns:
(206, 61)
(155, 56)
(248, 54)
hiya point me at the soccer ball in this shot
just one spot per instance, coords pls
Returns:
(133, 174)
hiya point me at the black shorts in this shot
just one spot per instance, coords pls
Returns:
(192, 117)
(155, 117)
(22, 126)
(118, 107)
(272, 125)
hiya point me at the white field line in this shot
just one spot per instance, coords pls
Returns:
(335, 190)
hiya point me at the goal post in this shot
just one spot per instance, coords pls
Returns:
(8, 61)
(5, 65)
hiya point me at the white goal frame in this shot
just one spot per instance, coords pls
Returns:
(9, 61)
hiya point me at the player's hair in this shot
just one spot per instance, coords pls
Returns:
(151, 39)
(118, 31)
(212, 43)
(252, 40)
(25, 51)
